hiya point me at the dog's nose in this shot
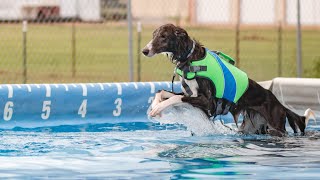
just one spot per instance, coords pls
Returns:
(145, 52)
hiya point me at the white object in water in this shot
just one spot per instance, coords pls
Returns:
(193, 118)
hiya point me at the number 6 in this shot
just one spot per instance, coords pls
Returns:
(8, 111)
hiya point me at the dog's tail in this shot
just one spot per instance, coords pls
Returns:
(300, 121)
(309, 114)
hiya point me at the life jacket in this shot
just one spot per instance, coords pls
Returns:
(230, 82)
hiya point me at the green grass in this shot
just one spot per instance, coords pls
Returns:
(102, 52)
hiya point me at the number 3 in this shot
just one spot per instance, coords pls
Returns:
(118, 103)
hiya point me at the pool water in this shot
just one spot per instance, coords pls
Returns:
(153, 151)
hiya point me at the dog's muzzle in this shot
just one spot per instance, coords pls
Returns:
(147, 50)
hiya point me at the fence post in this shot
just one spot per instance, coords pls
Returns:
(130, 58)
(280, 49)
(238, 9)
(73, 49)
(24, 51)
(299, 56)
(139, 49)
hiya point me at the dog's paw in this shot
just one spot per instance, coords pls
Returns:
(156, 110)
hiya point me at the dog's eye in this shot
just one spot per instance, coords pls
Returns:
(163, 36)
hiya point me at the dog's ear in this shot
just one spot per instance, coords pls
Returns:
(179, 32)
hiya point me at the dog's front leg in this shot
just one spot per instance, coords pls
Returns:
(161, 96)
(175, 99)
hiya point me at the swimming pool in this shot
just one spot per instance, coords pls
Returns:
(101, 139)
(155, 151)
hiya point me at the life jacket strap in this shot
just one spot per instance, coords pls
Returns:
(225, 57)
(173, 77)
(226, 108)
(219, 107)
(197, 68)
(186, 87)
(222, 110)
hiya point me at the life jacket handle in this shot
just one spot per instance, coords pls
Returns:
(225, 57)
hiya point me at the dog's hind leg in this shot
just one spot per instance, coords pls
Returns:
(269, 116)
(300, 121)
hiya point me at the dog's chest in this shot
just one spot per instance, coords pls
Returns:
(192, 84)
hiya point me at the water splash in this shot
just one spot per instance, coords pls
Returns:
(193, 118)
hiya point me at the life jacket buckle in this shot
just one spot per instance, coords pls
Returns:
(197, 68)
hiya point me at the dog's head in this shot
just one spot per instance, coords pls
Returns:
(169, 39)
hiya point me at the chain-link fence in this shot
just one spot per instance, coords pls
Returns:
(87, 40)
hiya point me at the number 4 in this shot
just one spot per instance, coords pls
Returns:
(83, 108)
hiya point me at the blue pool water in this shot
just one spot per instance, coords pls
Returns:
(153, 151)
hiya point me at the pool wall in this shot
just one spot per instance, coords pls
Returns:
(40, 105)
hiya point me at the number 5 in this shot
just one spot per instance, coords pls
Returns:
(46, 109)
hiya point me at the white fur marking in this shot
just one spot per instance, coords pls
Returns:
(309, 114)
(149, 47)
(193, 85)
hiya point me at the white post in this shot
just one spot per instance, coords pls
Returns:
(299, 55)
(130, 46)
(139, 29)
(24, 51)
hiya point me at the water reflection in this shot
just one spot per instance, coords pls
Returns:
(247, 157)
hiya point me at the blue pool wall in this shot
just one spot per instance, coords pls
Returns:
(38, 105)
(42, 105)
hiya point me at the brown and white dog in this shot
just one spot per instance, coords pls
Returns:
(263, 113)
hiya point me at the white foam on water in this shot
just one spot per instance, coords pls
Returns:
(193, 118)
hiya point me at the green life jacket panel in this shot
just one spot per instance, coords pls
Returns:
(229, 81)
